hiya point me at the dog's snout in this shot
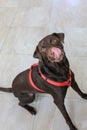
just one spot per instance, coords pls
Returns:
(55, 54)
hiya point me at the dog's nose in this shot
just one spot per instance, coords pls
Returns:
(55, 52)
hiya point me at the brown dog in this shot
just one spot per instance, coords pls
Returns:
(51, 75)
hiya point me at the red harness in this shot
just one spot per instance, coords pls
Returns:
(57, 84)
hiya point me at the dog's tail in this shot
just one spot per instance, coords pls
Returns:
(9, 90)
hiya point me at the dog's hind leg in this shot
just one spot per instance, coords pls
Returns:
(26, 98)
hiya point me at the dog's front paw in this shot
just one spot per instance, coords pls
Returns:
(74, 128)
(32, 110)
(84, 96)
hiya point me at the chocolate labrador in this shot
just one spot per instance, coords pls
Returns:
(52, 75)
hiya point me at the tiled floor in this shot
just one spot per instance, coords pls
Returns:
(22, 24)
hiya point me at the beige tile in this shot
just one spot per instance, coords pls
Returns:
(58, 122)
(34, 13)
(78, 65)
(68, 13)
(76, 51)
(54, 29)
(32, 17)
(23, 40)
(11, 65)
(3, 35)
(74, 42)
(77, 36)
(7, 16)
(77, 112)
(36, 3)
(14, 115)
(9, 3)
(45, 115)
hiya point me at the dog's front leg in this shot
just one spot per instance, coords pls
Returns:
(75, 86)
(61, 106)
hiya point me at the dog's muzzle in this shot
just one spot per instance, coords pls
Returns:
(55, 54)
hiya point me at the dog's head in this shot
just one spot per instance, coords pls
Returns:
(50, 48)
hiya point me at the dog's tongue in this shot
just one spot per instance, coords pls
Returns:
(57, 52)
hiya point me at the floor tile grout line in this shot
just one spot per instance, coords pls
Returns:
(4, 40)
(10, 5)
(54, 116)
(14, 17)
(26, 27)
(51, 8)
(33, 124)
(9, 29)
(16, 54)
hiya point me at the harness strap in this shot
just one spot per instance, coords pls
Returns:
(31, 81)
(57, 84)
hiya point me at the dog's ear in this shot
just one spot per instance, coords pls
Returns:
(37, 53)
(60, 36)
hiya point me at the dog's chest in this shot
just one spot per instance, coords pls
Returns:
(40, 81)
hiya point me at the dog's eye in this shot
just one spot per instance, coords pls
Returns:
(54, 42)
(43, 48)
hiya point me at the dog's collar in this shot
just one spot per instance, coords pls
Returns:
(57, 84)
